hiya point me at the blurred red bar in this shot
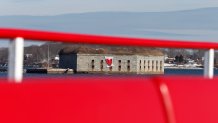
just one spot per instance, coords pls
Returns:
(107, 100)
(9, 33)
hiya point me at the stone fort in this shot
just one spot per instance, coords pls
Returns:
(99, 61)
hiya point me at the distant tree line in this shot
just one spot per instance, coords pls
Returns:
(179, 59)
(40, 53)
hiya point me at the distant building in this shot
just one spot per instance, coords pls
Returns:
(99, 61)
(169, 60)
(54, 62)
(56, 58)
(27, 56)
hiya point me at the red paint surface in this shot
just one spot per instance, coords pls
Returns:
(105, 40)
(195, 99)
(88, 100)
(107, 100)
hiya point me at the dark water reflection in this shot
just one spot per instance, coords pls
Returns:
(167, 72)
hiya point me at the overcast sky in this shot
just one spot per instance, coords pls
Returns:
(54, 7)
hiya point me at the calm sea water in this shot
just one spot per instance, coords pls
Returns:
(167, 72)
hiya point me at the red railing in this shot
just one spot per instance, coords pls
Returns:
(128, 100)
(105, 40)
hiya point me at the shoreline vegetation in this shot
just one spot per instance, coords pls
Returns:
(62, 71)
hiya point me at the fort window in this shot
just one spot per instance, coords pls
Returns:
(157, 65)
(152, 65)
(119, 68)
(161, 65)
(128, 65)
(148, 65)
(128, 68)
(93, 64)
(110, 68)
(144, 64)
(119, 62)
(102, 61)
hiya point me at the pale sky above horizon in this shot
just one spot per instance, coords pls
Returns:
(55, 7)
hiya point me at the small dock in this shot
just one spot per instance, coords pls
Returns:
(50, 71)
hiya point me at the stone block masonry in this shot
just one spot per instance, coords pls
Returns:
(96, 63)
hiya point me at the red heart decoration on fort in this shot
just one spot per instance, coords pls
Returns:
(109, 62)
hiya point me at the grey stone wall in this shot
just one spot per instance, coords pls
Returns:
(85, 63)
(150, 64)
(96, 63)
